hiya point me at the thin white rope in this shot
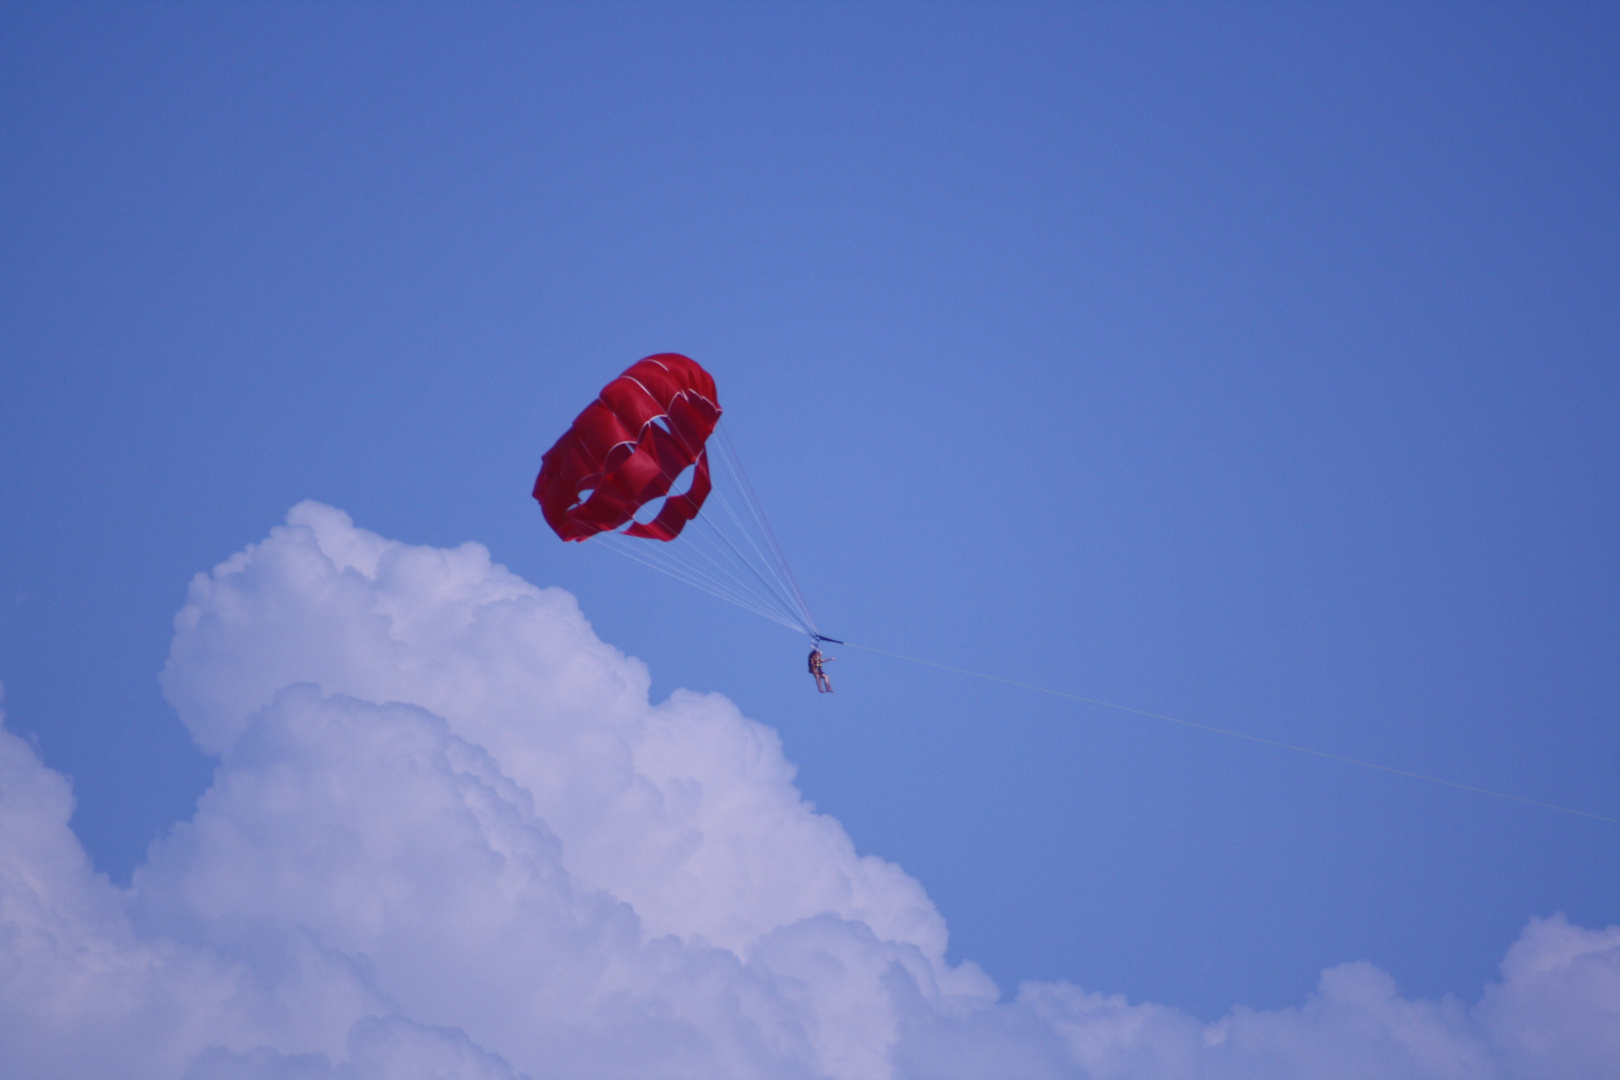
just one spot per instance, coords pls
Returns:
(732, 556)
(745, 484)
(709, 532)
(679, 574)
(690, 545)
(728, 459)
(622, 546)
(718, 563)
(725, 557)
(720, 578)
(659, 555)
(780, 586)
(734, 463)
(1241, 735)
(727, 561)
(717, 534)
(730, 465)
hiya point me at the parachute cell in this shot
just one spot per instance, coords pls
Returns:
(627, 449)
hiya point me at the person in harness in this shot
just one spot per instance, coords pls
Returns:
(823, 684)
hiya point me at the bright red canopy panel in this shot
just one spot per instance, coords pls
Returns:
(627, 448)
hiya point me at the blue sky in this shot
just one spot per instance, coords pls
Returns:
(1251, 364)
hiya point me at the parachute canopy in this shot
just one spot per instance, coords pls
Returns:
(604, 478)
(628, 448)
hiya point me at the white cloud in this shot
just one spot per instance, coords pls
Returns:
(686, 810)
(450, 836)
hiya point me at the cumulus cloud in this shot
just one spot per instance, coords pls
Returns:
(449, 836)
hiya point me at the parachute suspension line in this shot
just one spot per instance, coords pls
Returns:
(675, 559)
(712, 545)
(731, 555)
(777, 586)
(718, 564)
(1240, 735)
(775, 567)
(728, 453)
(695, 578)
(721, 546)
(633, 550)
(716, 534)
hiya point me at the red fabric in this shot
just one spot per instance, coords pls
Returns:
(627, 448)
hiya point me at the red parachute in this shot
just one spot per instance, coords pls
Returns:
(627, 448)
